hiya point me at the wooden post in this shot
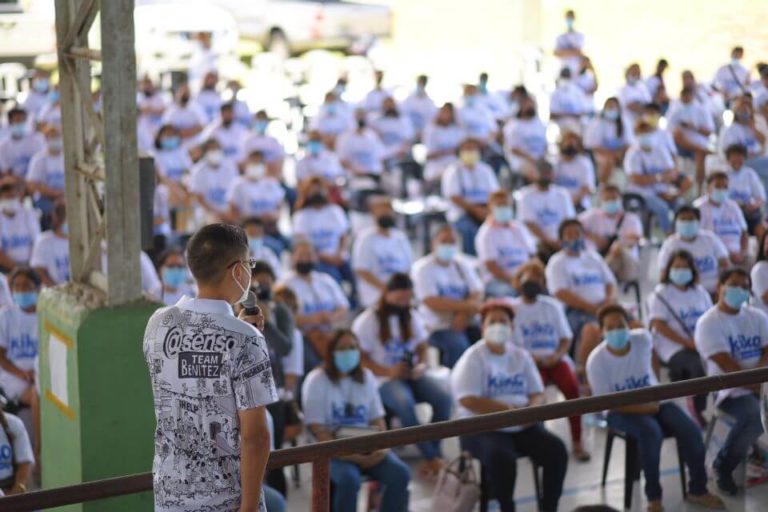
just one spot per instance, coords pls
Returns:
(321, 485)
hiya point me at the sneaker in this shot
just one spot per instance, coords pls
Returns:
(580, 454)
(655, 506)
(707, 500)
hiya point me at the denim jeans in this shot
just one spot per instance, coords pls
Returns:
(273, 500)
(648, 431)
(392, 473)
(661, 210)
(451, 345)
(498, 452)
(401, 397)
(467, 228)
(746, 411)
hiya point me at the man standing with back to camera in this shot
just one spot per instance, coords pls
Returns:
(211, 379)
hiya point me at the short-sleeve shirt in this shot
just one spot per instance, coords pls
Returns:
(326, 165)
(732, 80)
(51, 252)
(638, 162)
(472, 185)
(526, 135)
(738, 133)
(598, 223)
(264, 196)
(14, 451)
(568, 100)
(707, 251)
(695, 115)
(324, 226)
(321, 293)
(510, 378)
(363, 150)
(15, 154)
(270, 147)
(603, 133)
(172, 164)
(545, 208)
(18, 233)
(47, 169)
(744, 186)
(575, 174)
(743, 336)
(231, 139)
(586, 275)
(205, 366)
(345, 403)
(759, 276)
(19, 338)
(609, 373)
(509, 246)
(213, 183)
(541, 325)
(381, 255)
(669, 303)
(725, 220)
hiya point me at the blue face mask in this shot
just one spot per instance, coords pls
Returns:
(346, 360)
(735, 296)
(174, 277)
(54, 96)
(40, 85)
(645, 140)
(719, 195)
(681, 276)
(170, 143)
(577, 245)
(18, 130)
(314, 147)
(25, 300)
(611, 114)
(446, 252)
(569, 23)
(260, 126)
(687, 228)
(617, 339)
(502, 214)
(331, 108)
(255, 244)
(65, 229)
(612, 207)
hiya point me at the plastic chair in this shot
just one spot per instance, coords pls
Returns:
(635, 203)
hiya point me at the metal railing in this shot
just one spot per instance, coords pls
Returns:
(320, 454)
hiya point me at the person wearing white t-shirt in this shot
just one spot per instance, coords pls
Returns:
(172, 162)
(544, 332)
(442, 138)
(746, 188)
(375, 98)
(333, 119)
(568, 103)
(476, 118)
(502, 244)
(259, 140)
(759, 274)
(608, 137)
(419, 107)
(19, 227)
(657, 86)
(151, 103)
(675, 306)
(209, 99)
(723, 217)
(745, 131)
(615, 234)
(320, 161)
(323, 303)
(652, 173)
(623, 362)
(17, 150)
(691, 126)
(468, 184)
(37, 96)
(634, 95)
(379, 252)
(732, 79)
(492, 376)
(186, 116)
(569, 45)
(361, 150)
(580, 279)
(543, 206)
(525, 139)
(574, 170)
(733, 336)
(45, 177)
(393, 342)
(229, 133)
(17, 459)
(708, 251)
(395, 131)
(210, 180)
(449, 291)
(50, 252)
(172, 270)
(19, 346)
(343, 396)
(257, 244)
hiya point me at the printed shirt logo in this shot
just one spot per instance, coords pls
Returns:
(587, 279)
(452, 291)
(726, 226)
(745, 347)
(16, 241)
(23, 347)
(705, 264)
(539, 336)
(548, 217)
(512, 257)
(348, 414)
(535, 144)
(501, 384)
(633, 383)
(6, 457)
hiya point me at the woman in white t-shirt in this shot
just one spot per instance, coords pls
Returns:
(172, 269)
(19, 227)
(492, 376)
(341, 399)
(674, 308)
(622, 362)
(172, 162)
(542, 329)
(746, 188)
(318, 160)
(525, 139)
(574, 171)
(759, 274)
(50, 254)
(394, 130)
(608, 136)
(724, 218)
(733, 336)
(394, 346)
(210, 181)
(16, 456)
(467, 184)
(502, 244)
(442, 138)
(45, 177)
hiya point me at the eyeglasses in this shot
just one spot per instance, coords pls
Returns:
(250, 263)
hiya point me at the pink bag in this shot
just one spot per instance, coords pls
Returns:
(457, 489)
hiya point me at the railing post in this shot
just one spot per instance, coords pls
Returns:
(321, 485)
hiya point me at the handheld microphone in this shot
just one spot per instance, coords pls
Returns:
(250, 303)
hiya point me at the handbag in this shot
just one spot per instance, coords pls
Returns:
(458, 488)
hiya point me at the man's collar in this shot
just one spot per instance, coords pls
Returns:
(215, 306)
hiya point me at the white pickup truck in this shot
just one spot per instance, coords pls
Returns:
(288, 27)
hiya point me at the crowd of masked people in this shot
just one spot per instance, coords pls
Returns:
(522, 286)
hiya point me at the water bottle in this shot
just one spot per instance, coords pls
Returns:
(494, 506)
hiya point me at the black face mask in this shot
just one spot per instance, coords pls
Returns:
(527, 113)
(544, 182)
(398, 310)
(390, 112)
(264, 293)
(530, 289)
(305, 267)
(149, 93)
(570, 151)
(361, 123)
(226, 123)
(184, 99)
(386, 222)
(317, 200)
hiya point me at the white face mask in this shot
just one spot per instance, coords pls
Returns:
(498, 334)
(9, 205)
(254, 171)
(245, 290)
(214, 157)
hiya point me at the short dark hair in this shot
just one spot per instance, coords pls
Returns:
(610, 187)
(688, 257)
(715, 175)
(653, 106)
(213, 249)
(171, 251)
(15, 112)
(611, 309)
(330, 365)
(567, 223)
(740, 149)
(27, 272)
(727, 273)
(253, 221)
(686, 208)
(262, 267)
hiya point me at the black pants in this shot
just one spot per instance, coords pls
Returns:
(276, 477)
(498, 452)
(686, 364)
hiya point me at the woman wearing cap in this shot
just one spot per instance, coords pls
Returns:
(496, 376)
(393, 342)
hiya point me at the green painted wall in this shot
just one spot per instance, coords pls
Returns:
(108, 429)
